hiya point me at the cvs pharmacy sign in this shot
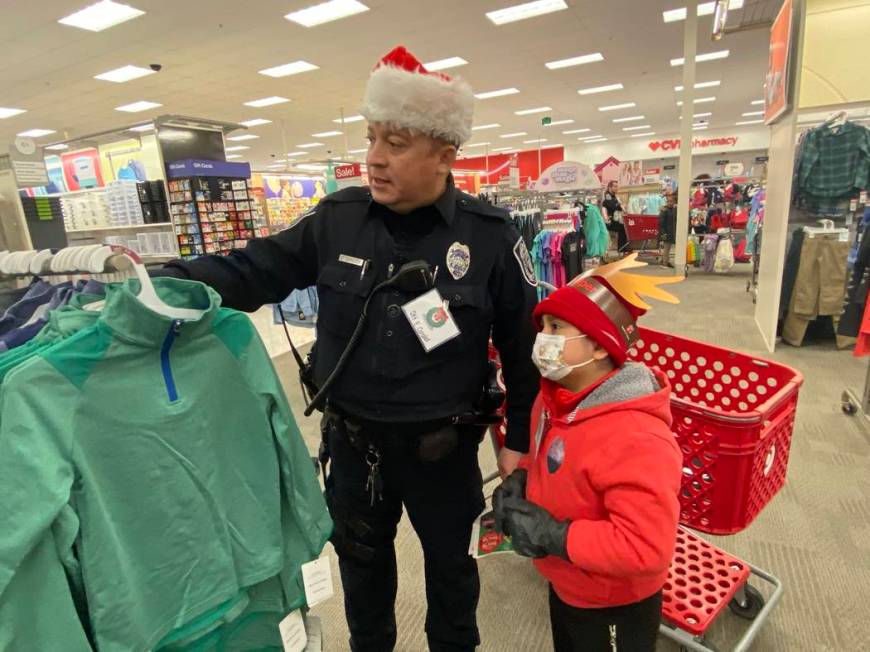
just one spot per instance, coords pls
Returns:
(698, 143)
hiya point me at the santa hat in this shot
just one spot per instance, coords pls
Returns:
(401, 92)
(605, 303)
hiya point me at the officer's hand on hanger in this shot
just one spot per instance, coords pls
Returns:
(533, 531)
(513, 487)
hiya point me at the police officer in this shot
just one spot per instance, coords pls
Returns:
(421, 359)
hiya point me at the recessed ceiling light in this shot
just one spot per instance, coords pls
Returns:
(556, 123)
(645, 133)
(232, 156)
(476, 144)
(702, 115)
(36, 133)
(309, 146)
(601, 89)
(493, 125)
(699, 127)
(236, 148)
(326, 12)
(124, 74)
(709, 56)
(8, 113)
(243, 137)
(575, 61)
(630, 118)
(749, 122)
(444, 64)
(534, 141)
(256, 122)
(499, 93)
(57, 148)
(288, 69)
(575, 131)
(699, 100)
(505, 149)
(757, 102)
(327, 134)
(708, 84)
(595, 137)
(311, 166)
(297, 153)
(595, 140)
(349, 119)
(147, 127)
(704, 9)
(358, 151)
(636, 128)
(514, 135)
(266, 101)
(749, 114)
(136, 107)
(616, 107)
(540, 109)
(526, 10)
(101, 15)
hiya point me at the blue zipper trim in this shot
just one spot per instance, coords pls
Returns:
(164, 360)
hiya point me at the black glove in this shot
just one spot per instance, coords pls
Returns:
(533, 531)
(514, 486)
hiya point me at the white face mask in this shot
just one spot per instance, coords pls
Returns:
(547, 355)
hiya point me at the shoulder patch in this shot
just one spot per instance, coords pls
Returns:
(478, 207)
(521, 253)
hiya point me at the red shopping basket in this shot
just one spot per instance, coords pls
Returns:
(733, 419)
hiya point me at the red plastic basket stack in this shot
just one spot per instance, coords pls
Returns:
(733, 419)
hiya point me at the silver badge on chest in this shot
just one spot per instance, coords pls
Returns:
(458, 260)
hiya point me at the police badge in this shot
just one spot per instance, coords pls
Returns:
(458, 260)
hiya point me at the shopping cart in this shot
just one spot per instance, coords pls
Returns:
(733, 419)
(643, 234)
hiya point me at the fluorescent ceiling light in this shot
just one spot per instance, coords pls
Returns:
(57, 148)
(243, 137)
(309, 146)
(709, 56)
(358, 151)
(704, 9)
(256, 122)
(101, 15)
(526, 10)
(645, 133)
(444, 64)
(136, 107)
(556, 123)
(124, 74)
(236, 148)
(494, 125)
(699, 127)
(749, 122)
(595, 140)
(8, 113)
(636, 128)
(352, 118)
(288, 69)
(266, 101)
(757, 102)
(616, 107)
(147, 127)
(499, 93)
(709, 84)
(702, 115)
(476, 144)
(601, 89)
(326, 12)
(534, 141)
(327, 134)
(575, 61)
(540, 109)
(630, 118)
(232, 156)
(36, 133)
(311, 166)
(595, 137)
(297, 153)
(514, 135)
(575, 131)
(505, 149)
(699, 100)
(553, 146)
(749, 114)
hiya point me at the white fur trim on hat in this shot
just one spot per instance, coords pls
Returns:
(423, 102)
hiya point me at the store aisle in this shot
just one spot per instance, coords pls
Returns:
(815, 535)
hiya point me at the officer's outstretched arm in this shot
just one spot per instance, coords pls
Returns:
(265, 271)
(513, 335)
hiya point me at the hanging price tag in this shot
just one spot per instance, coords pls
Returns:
(853, 205)
(862, 198)
(317, 578)
(293, 633)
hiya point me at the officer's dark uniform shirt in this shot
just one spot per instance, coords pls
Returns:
(389, 377)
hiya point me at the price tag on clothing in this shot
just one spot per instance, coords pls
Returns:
(293, 634)
(862, 198)
(431, 320)
(853, 205)
(317, 578)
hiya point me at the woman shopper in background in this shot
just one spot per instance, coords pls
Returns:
(668, 228)
(613, 216)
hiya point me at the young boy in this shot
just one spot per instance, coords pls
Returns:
(595, 502)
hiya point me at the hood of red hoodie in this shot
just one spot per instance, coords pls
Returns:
(633, 387)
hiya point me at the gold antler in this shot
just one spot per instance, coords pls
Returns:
(632, 286)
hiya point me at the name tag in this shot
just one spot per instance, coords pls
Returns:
(351, 260)
(431, 320)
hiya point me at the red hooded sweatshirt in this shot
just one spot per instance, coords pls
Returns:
(607, 461)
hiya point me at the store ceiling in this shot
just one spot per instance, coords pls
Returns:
(211, 51)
